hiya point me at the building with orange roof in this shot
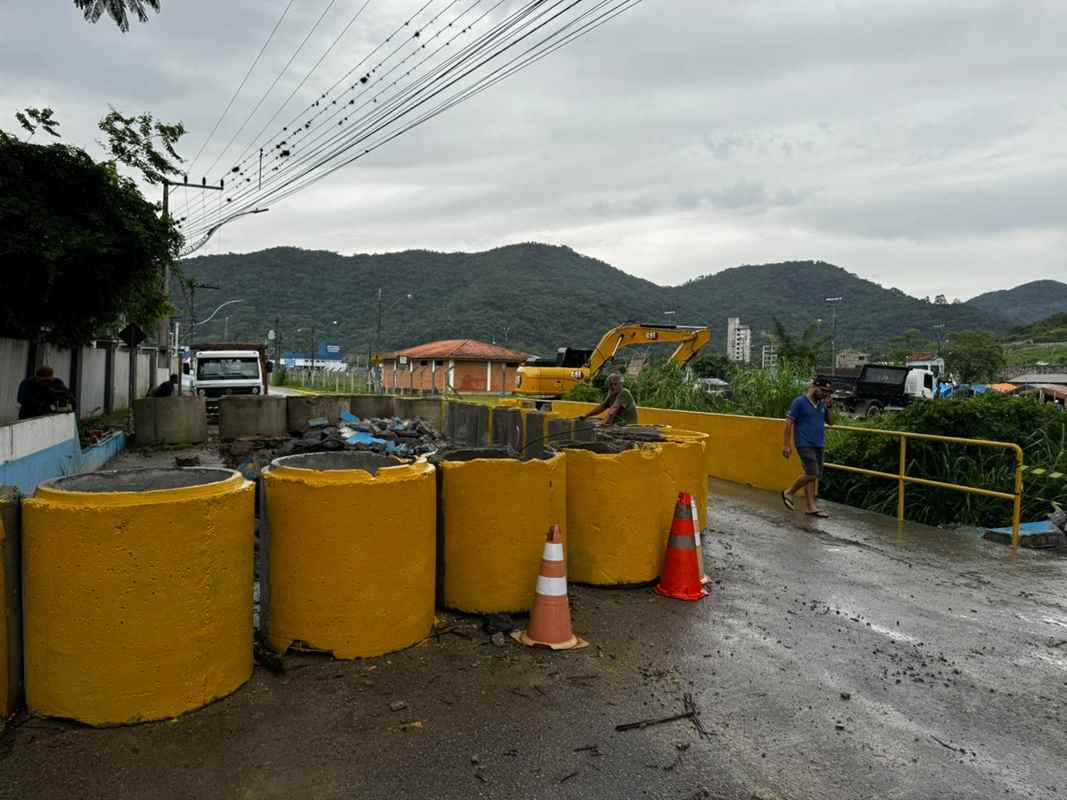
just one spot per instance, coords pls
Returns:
(461, 365)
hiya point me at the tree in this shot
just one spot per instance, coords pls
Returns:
(803, 352)
(711, 365)
(131, 141)
(974, 356)
(911, 341)
(81, 248)
(117, 10)
(33, 118)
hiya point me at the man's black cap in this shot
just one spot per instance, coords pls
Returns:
(822, 383)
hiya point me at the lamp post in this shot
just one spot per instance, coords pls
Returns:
(833, 334)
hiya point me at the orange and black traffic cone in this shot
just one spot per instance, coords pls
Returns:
(697, 532)
(680, 577)
(550, 619)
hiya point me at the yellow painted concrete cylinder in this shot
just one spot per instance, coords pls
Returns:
(495, 513)
(137, 593)
(614, 517)
(684, 470)
(352, 548)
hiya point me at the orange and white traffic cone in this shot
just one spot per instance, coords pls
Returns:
(550, 619)
(700, 544)
(680, 577)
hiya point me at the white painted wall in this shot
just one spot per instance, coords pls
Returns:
(94, 366)
(144, 374)
(13, 355)
(122, 378)
(58, 358)
(30, 436)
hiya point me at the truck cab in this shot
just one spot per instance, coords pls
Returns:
(217, 373)
(874, 388)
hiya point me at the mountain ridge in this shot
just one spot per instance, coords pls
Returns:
(536, 297)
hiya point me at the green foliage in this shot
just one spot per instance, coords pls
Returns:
(536, 298)
(974, 356)
(1039, 429)
(83, 250)
(132, 141)
(1049, 329)
(910, 341)
(766, 392)
(803, 351)
(1024, 304)
(33, 119)
(118, 10)
(711, 365)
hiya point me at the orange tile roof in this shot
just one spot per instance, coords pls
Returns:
(459, 350)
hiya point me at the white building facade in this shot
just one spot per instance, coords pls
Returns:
(738, 341)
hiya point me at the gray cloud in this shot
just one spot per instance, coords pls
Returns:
(919, 144)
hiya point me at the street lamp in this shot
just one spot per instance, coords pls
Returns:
(833, 334)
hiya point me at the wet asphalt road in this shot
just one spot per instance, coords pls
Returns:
(842, 658)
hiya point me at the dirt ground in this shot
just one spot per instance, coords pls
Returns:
(842, 658)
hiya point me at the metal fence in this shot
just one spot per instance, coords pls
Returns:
(338, 382)
(903, 479)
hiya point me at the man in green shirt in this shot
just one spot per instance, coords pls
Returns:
(619, 404)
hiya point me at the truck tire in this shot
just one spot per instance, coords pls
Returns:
(873, 410)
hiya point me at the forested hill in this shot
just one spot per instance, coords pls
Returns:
(533, 297)
(1030, 302)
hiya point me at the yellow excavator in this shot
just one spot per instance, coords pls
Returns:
(575, 366)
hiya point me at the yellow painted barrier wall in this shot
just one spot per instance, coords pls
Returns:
(684, 470)
(739, 449)
(495, 514)
(6, 708)
(351, 553)
(614, 520)
(137, 602)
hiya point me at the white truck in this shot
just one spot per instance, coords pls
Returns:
(220, 372)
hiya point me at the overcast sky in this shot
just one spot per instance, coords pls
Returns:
(922, 145)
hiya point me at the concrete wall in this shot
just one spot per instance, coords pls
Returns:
(739, 449)
(14, 358)
(36, 450)
(94, 363)
(14, 354)
(249, 416)
(468, 424)
(301, 408)
(372, 405)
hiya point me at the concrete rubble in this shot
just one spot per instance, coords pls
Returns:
(405, 438)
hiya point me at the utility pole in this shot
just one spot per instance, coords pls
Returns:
(193, 286)
(164, 327)
(833, 334)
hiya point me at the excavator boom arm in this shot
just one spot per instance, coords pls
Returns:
(690, 338)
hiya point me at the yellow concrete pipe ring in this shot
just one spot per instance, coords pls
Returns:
(685, 470)
(495, 515)
(137, 605)
(352, 554)
(614, 515)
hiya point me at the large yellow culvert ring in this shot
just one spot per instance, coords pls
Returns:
(352, 551)
(495, 513)
(137, 593)
(684, 470)
(614, 517)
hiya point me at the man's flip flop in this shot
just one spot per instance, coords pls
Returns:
(787, 501)
(819, 514)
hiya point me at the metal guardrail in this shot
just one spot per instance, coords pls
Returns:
(903, 479)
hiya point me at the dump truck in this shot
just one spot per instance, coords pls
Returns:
(574, 366)
(874, 388)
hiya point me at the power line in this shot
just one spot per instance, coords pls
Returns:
(241, 85)
(300, 85)
(554, 40)
(274, 83)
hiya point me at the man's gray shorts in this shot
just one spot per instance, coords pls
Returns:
(811, 457)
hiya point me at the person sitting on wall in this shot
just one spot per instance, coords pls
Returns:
(167, 388)
(619, 404)
(42, 394)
